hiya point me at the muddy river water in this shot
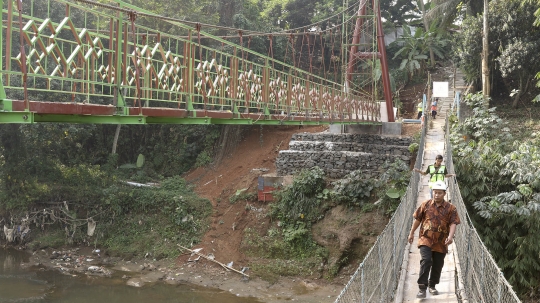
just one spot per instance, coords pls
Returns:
(20, 282)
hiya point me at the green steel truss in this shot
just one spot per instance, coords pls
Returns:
(100, 64)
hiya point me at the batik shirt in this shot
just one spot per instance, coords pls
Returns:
(435, 224)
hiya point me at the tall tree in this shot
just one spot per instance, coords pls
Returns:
(449, 10)
(485, 51)
(426, 27)
(514, 45)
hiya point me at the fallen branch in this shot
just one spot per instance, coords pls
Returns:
(210, 259)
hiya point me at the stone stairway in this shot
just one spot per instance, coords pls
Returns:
(340, 154)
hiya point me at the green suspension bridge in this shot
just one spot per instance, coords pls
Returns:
(83, 61)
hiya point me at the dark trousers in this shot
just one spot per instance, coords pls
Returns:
(419, 115)
(433, 262)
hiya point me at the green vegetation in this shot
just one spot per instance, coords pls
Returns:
(300, 201)
(130, 220)
(70, 178)
(514, 45)
(504, 199)
(243, 195)
(153, 220)
(306, 201)
(414, 48)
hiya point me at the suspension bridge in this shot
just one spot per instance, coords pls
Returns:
(102, 62)
(96, 62)
(390, 270)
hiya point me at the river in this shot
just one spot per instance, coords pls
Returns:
(20, 282)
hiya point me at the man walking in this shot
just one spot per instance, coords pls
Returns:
(436, 171)
(437, 219)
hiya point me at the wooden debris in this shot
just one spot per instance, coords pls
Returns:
(211, 259)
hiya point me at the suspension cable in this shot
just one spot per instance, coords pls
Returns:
(294, 31)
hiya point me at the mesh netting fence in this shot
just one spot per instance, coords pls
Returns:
(376, 278)
(480, 279)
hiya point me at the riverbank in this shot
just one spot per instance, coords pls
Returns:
(145, 272)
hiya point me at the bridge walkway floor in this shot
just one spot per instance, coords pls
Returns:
(435, 145)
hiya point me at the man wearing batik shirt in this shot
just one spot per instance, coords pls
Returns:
(437, 219)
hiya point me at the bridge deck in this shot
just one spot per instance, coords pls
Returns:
(46, 111)
(408, 288)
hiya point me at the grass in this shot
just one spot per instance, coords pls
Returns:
(272, 270)
(141, 234)
(243, 196)
(275, 257)
(44, 239)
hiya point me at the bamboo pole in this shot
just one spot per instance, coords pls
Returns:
(210, 259)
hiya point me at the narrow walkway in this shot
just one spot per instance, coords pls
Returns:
(434, 146)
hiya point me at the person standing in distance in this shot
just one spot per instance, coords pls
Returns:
(434, 108)
(437, 219)
(420, 108)
(436, 171)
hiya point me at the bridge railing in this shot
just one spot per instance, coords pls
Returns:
(94, 53)
(377, 277)
(481, 279)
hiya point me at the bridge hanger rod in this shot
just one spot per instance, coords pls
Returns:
(145, 13)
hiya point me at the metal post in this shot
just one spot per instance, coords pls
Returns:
(499, 290)
(2, 91)
(384, 64)
(362, 294)
(467, 260)
(354, 47)
(381, 274)
(23, 58)
(8, 39)
(482, 274)
(118, 72)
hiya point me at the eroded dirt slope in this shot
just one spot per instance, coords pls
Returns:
(255, 155)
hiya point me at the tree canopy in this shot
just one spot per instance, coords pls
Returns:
(514, 41)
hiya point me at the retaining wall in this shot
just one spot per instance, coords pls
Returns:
(340, 154)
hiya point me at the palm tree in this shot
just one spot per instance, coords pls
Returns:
(447, 10)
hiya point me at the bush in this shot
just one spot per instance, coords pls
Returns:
(355, 189)
(302, 199)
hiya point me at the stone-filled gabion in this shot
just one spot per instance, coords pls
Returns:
(357, 138)
(340, 154)
(349, 146)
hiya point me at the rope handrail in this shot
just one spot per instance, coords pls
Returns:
(481, 278)
(371, 282)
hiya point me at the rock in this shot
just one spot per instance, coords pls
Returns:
(135, 282)
(152, 277)
(95, 269)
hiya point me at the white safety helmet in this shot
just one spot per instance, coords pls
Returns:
(439, 185)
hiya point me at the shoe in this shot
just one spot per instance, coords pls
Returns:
(433, 291)
(421, 294)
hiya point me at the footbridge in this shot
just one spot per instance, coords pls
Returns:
(390, 270)
(84, 61)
